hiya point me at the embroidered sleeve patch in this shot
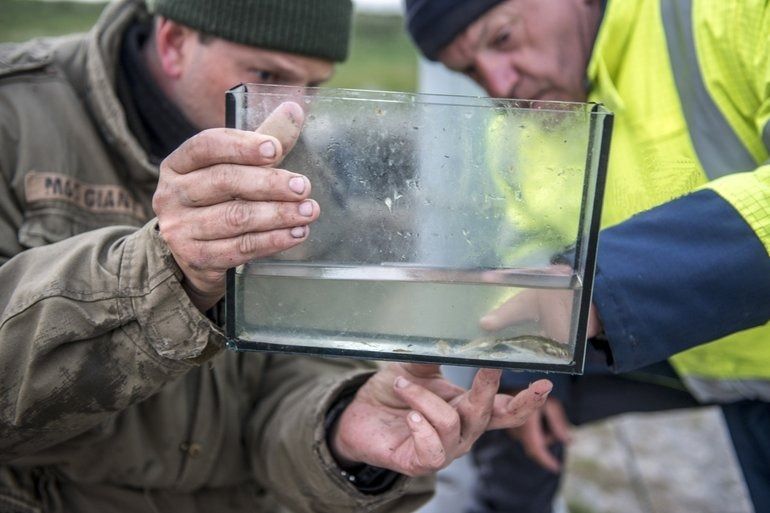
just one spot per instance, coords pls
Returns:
(99, 199)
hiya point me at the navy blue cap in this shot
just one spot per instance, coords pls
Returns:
(433, 24)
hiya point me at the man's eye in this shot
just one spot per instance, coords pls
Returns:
(501, 39)
(264, 76)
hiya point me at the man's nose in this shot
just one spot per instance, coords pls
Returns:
(496, 75)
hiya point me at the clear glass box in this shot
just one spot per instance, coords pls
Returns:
(435, 210)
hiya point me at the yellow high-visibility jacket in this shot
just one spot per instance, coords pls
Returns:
(683, 259)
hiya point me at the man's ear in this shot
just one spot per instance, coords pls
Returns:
(173, 42)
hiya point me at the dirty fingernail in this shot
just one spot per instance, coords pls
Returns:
(297, 184)
(306, 208)
(401, 382)
(267, 149)
(298, 232)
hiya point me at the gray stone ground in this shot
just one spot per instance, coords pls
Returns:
(655, 463)
(669, 462)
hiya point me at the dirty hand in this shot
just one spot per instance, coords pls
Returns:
(221, 201)
(550, 308)
(547, 426)
(409, 419)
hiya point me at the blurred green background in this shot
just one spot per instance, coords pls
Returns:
(381, 55)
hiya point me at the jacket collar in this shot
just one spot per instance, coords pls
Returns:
(102, 57)
(158, 124)
(607, 58)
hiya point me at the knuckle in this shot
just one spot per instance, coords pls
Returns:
(158, 201)
(161, 197)
(448, 424)
(174, 191)
(158, 204)
(248, 244)
(198, 145)
(207, 140)
(167, 166)
(236, 214)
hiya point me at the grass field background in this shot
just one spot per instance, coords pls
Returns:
(381, 57)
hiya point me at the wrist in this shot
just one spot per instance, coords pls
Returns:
(341, 454)
(204, 298)
(366, 478)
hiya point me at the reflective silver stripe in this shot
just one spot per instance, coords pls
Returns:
(727, 390)
(718, 147)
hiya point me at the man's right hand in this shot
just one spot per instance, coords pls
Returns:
(545, 427)
(221, 202)
(408, 418)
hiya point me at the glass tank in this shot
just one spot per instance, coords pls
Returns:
(455, 230)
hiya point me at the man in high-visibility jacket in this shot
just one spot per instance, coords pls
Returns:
(683, 254)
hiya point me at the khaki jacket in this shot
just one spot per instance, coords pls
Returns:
(116, 394)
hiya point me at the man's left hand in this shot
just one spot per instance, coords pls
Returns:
(409, 419)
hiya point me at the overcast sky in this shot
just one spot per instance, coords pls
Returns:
(380, 5)
(389, 6)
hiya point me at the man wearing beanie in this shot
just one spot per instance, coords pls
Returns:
(683, 256)
(122, 203)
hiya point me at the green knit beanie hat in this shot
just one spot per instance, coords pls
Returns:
(316, 28)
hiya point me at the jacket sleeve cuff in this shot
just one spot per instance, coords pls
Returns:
(172, 326)
(679, 275)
